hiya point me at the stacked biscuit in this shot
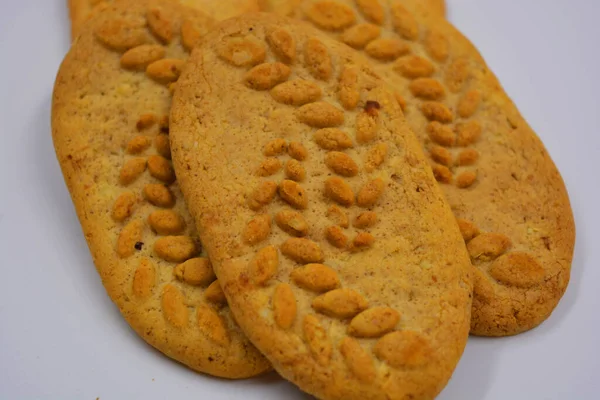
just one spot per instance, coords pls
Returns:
(338, 189)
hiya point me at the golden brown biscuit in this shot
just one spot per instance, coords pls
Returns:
(288, 7)
(335, 247)
(80, 10)
(221, 10)
(508, 197)
(110, 129)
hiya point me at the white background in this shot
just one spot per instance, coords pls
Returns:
(62, 338)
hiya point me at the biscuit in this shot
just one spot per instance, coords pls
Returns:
(80, 10)
(338, 254)
(510, 201)
(110, 130)
(288, 7)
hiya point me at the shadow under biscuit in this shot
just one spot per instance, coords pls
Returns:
(271, 385)
(475, 372)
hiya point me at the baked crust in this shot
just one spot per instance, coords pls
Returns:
(81, 10)
(506, 192)
(109, 126)
(337, 252)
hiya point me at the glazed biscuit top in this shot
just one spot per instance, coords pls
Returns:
(110, 128)
(508, 196)
(335, 248)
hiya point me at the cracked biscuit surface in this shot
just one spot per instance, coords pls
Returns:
(110, 129)
(337, 252)
(506, 193)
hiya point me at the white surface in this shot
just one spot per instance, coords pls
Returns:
(61, 337)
